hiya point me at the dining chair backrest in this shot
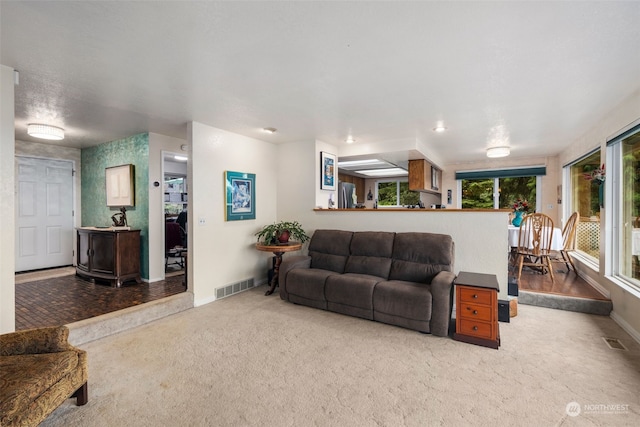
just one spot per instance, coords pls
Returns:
(172, 236)
(536, 233)
(569, 232)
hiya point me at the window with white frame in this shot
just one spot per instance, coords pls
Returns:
(585, 195)
(499, 189)
(623, 160)
(395, 193)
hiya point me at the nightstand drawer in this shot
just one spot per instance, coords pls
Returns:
(475, 295)
(474, 311)
(476, 328)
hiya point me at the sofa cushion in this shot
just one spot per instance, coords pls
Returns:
(371, 253)
(308, 283)
(23, 378)
(419, 257)
(329, 249)
(40, 340)
(403, 299)
(351, 289)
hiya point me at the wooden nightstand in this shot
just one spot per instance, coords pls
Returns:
(477, 309)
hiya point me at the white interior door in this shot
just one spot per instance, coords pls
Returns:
(44, 213)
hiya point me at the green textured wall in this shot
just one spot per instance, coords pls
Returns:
(134, 150)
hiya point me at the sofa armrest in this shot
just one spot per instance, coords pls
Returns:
(442, 299)
(33, 341)
(290, 263)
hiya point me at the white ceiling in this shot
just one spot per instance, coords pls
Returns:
(536, 74)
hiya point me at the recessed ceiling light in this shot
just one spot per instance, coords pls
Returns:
(269, 130)
(45, 131)
(350, 140)
(495, 152)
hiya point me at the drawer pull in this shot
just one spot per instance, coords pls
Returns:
(475, 328)
(475, 311)
(475, 295)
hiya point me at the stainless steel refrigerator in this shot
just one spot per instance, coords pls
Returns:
(346, 190)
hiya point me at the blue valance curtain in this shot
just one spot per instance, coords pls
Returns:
(503, 173)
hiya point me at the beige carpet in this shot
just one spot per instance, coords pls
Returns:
(251, 360)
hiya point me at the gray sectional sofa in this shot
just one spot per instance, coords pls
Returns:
(403, 279)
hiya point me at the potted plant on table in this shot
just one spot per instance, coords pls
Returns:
(280, 232)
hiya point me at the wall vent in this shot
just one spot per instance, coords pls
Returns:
(614, 344)
(234, 288)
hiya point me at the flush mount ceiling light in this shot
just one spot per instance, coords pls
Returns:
(269, 130)
(358, 164)
(502, 151)
(350, 140)
(45, 131)
(384, 172)
(439, 127)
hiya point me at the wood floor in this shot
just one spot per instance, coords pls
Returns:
(566, 283)
(61, 300)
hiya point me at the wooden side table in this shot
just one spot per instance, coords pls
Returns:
(477, 309)
(278, 251)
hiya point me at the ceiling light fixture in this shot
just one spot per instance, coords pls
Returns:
(439, 127)
(350, 140)
(383, 172)
(495, 152)
(45, 131)
(358, 163)
(269, 130)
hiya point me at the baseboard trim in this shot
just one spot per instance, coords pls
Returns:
(597, 286)
(204, 301)
(626, 326)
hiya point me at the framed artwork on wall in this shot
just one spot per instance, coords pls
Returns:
(240, 196)
(120, 185)
(327, 171)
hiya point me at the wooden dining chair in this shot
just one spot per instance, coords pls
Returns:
(534, 243)
(568, 242)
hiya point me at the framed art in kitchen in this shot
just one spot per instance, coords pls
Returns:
(327, 171)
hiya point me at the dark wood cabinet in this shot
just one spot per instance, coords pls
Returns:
(112, 255)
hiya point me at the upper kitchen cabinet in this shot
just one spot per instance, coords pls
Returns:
(425, 177)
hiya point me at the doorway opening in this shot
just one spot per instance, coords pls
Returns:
(175, 207)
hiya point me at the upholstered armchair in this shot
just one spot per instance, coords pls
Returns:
(39, 370)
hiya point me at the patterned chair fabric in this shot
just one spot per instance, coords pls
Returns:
(39, 370)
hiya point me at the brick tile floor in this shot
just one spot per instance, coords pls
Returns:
(68, 299)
